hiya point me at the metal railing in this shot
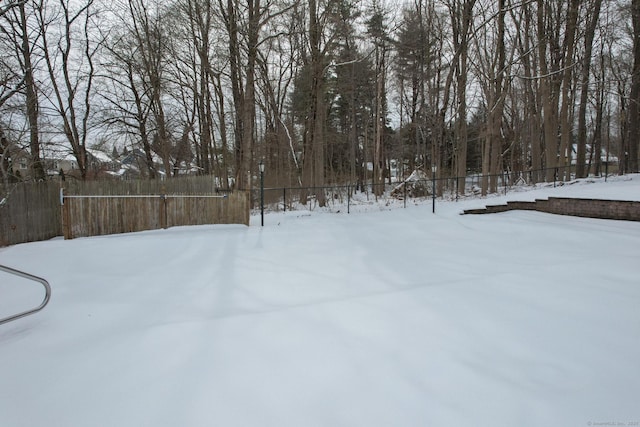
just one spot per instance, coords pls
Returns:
(28, 276)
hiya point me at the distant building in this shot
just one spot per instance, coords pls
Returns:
(58, 163)
(16, 163)
(604, 156)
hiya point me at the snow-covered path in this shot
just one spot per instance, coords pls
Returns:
(399, 318)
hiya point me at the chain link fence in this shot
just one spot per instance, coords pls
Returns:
(418, 187)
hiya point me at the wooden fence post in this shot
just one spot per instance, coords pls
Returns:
(66, 226)
(163, 207)
(163, 211)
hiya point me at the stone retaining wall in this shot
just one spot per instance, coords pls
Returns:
(588, 208)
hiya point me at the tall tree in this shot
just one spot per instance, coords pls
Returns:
(630, 155)
(277, 64)
(524, 18)
(496, 92)
(376, 28)
(320, 44)
(462, 21)
(127, 106)
(18, 74)
(566, 122)
(590, 30)
(71, 70)
(31, 96)
(313, 168)
(198, 20)
(151, 40)
(244, 26)
(555, 55)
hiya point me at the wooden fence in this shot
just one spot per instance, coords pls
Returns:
(29, 212)
(32, 211)
(86, 215)
(180, 185)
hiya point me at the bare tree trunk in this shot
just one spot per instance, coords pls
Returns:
(461, 133)
(462, 26)
(461, 15)
(353, 136)
(379, 114)
(531, 116)
(549, 86)
(142, 114)
(244, 94)
(199, 19)
(222, 164)
(633, 118)
(249, 102)
(378, 131)
(596, 149)
(623, 124)
(68, 83)
(497, 109)
(313, 166)
(584, 94)
(162, 141)
(31, 97)
(230, 16)
(567, 98)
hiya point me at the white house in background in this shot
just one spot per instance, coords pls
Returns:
(18, 161)
(63, 160)
(611, 159)
(102, 163)
(66, 163)
(133, 165)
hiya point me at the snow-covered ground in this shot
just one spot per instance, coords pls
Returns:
(388, 318)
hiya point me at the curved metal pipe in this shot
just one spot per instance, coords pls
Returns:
(28, 276)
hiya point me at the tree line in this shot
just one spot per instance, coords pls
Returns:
(324, 91)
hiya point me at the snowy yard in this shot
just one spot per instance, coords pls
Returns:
(382, 318)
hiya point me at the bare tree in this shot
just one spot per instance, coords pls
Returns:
(127, 104)
(378, 32)
(461, 19)
(71, 70)
(630, 155)
(313, 168)
(276, 69)
(195, 72)
(592, 22)
(244, 25)
(566, 122)
(18, 73)
(494, 70)
(151, 42)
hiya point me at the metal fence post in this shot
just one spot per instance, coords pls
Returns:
(404, 197)
(433, 190)
(504, 182)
